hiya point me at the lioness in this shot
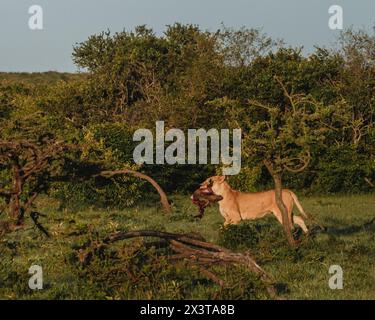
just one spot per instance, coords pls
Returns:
(237, 206)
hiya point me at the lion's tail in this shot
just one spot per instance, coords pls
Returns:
(298, 204)
(308, 216)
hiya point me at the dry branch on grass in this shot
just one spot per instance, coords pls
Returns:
(195, 251)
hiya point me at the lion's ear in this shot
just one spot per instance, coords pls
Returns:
(221, 179)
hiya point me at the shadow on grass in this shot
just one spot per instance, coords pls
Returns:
(368, 226)
(282, 288)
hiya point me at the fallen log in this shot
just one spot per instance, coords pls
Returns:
(193, 249)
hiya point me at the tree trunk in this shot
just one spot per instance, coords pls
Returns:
(279, 201)
(15, 204)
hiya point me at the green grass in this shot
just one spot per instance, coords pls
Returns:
(126, 271)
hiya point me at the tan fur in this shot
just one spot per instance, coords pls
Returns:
(237, 206)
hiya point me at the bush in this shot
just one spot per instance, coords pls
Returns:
(264, 238)
(118, 192)
(136, 270)
(343, 170)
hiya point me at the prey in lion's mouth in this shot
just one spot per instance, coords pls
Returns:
(202, 197)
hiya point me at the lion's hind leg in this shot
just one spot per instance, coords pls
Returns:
(299, 221)
(277, 213)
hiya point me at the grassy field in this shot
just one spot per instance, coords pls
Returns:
(46, 78)
(126, 271)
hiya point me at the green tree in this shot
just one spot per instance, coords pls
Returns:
(282, 121)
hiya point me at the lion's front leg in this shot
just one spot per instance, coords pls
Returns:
(231, 217)
(225, 216)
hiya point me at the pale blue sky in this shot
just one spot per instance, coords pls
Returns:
(298, 22)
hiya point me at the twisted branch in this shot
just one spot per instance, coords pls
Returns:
(194, 250)
(163, 197)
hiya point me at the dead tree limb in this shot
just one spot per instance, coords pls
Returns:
(163, 197)
(369, 182)
(35, 216)
(30, 166)
(194, 250)
(212, 276)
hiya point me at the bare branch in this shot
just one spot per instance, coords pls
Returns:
(163, 197)
(259, 104)
(304, 160)
(195, 251)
